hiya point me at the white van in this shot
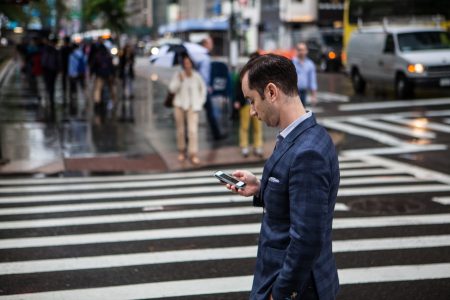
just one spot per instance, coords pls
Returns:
(404, 57)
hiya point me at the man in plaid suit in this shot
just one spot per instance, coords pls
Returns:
(298, 189)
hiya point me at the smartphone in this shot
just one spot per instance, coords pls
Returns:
(225, 178)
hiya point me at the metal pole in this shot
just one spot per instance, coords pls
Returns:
(233, 55)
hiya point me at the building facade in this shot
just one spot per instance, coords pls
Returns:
(283, 21)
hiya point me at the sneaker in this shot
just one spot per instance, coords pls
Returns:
(259, 152)
(244, 152)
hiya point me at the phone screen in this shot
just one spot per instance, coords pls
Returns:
(229, 179)
(232, 179)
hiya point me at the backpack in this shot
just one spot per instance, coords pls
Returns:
(77, 64)
(81, 65)
(104, 64)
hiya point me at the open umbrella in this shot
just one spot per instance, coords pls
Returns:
(169, 55)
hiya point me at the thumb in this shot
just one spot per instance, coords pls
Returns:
(239, 174)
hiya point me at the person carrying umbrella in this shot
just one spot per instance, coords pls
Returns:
(190, 95)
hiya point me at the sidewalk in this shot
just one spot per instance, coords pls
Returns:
(84, 145)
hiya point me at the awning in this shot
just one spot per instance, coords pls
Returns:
(194, 25)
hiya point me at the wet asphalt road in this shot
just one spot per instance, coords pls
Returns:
(179, 235)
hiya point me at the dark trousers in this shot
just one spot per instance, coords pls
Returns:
(32, 80)
(73, 95)
(50, 79)
(64, 84)
(212, 120)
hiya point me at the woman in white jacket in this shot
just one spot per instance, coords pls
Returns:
(190, 95)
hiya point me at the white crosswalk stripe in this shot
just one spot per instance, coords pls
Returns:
(418, 123)
(394, 104)
(442, 200)
(132, 226)
(396, 130)
(331, 97)
(110, 261)
(197, 287)
(221, 230)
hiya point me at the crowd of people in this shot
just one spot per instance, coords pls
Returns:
(191, 95)
(47, 61)
(89, 77)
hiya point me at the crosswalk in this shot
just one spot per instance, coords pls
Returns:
(182, 235)
(401, 132)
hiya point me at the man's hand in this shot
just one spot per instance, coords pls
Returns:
(252, 183)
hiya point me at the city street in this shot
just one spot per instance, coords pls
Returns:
(155, 229)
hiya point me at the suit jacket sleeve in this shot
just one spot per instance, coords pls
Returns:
(257, 200)
(309, 185)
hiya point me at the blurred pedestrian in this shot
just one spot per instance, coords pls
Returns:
(65, 51)
(298, 189)
(34, 66)
(103, 70)
(306, 75)
(126, 70)
(190, 96)
(21, 51)
(92, 47)
(245, 120)
(204, 68)
(77, 77)
(51, 64)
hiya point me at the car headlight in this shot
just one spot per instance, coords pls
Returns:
(154, 51)
(114, 51)
(416, 68)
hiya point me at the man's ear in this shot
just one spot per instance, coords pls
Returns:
(272, 91)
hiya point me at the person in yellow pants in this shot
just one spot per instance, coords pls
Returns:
(245, 120)
(244, 125)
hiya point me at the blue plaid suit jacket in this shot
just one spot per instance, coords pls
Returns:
(298, 191)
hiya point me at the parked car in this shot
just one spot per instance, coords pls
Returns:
(325, 47)
(404, 57)
(152, 48)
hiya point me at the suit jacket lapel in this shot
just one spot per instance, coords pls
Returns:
(282, 147)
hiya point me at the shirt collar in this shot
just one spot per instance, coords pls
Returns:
(294, 124)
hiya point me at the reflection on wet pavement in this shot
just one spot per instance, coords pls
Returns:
(138, 137)
(32, 141)
(26, 136)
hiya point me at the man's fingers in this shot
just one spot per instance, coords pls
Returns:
(237, 173)
(231, 187)
(240, 174)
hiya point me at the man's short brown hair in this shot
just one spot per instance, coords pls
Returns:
(270, 68)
